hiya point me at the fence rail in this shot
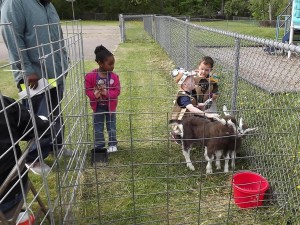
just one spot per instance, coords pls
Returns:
(257, 80)
(146, 181)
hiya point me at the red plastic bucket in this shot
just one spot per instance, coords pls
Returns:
(25, 218)
(249, 189)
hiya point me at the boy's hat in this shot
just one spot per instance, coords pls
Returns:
(181, 75)
(176, 72)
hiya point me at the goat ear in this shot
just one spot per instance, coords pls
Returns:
(225, 111)
(241, 123)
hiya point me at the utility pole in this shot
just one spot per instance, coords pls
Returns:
(72, 1)
(222, 7)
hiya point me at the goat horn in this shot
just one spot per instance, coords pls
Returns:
(225, 111)
(241, 123)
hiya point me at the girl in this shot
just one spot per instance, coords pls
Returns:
(102, 86)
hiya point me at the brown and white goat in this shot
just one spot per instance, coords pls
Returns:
(235, 141)
(220, 138)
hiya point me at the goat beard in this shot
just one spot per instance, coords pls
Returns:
(45, 2)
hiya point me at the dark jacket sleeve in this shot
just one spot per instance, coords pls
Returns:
(20, 122)
(27, 127)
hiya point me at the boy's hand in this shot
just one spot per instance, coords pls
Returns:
(200, 106)
(199, 74)
(213, 116)
(214, 97)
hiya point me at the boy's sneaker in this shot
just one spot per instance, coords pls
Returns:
(112, 149)
(38, 168)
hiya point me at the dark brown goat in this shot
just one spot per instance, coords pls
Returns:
(215, 136)
(220, 138)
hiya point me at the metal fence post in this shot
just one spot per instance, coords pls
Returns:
(152, 27)
(236, 71)
(186, 52)
(170, 37)
(156, 28)
(122, 27)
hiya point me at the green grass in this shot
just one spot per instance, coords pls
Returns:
(8, 86)
(147, 182)
(251, 29)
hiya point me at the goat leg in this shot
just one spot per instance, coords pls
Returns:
(186, 154)
(218, 157)
(209, 161)
(227, 157)
(233, 155)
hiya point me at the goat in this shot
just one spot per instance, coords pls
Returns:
(220, 137)
(235, 141)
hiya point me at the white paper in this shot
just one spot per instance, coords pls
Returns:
(42, 86)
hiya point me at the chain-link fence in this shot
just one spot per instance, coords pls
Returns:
(48, 195)
(258, 82)
(146, 181)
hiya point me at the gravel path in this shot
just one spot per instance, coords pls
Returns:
(273, 73)
(109, 36)
(3, 50)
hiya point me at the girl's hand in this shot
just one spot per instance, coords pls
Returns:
(103, 91)
(97, 93)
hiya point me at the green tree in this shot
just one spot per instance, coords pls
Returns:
(267, 9)
(259, 9)
(236, 8)
(207, 8)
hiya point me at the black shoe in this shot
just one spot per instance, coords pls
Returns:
(99, 155)
(99, 150)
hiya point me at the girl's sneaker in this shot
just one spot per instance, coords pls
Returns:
(112, 149)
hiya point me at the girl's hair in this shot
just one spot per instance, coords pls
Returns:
(207, 60)
(101, 53)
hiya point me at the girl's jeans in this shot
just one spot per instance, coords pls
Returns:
(102, 114)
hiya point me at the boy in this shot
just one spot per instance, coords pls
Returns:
(185, 103)
(207, 85)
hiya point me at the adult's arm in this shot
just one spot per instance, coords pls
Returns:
(14, 36)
